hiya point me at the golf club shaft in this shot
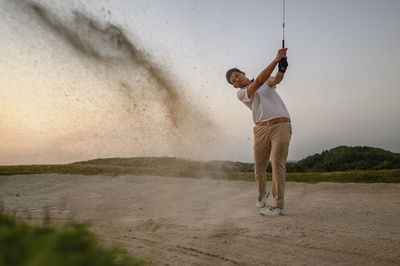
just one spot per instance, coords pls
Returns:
(283, 25)
(283, 60)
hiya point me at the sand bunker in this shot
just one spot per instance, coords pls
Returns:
(178, 221)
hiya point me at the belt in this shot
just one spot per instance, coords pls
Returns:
(274, 121)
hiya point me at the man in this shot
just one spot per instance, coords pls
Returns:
(272, 131)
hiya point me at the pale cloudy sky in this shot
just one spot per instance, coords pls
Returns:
(57, 106)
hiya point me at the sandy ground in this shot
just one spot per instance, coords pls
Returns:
(178, 221)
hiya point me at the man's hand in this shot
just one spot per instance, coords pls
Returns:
(281, 54)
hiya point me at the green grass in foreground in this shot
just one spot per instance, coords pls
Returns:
(70, 244)
(364, 176)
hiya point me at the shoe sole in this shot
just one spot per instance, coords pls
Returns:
(271, 215)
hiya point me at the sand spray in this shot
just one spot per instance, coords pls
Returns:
(152, 99)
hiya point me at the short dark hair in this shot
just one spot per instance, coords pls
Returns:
(230, 72)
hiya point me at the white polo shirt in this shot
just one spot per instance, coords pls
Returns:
(265, 103)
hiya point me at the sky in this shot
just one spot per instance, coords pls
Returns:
(59, 105)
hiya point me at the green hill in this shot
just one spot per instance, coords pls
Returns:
(344, 158)
(345, 164)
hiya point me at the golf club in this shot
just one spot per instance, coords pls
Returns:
(284, 60)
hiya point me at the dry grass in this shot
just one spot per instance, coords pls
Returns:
(365, 176)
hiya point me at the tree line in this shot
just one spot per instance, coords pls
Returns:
(345, 158)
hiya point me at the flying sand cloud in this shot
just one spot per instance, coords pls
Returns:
(128, 101)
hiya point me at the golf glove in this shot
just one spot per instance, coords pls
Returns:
(283, 64)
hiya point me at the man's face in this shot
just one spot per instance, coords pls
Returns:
(239, 80)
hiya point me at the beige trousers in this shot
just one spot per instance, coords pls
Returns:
(272, 141)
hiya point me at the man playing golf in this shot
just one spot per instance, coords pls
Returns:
(272, 131)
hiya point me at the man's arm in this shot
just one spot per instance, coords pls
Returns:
(265, 74)
(273, 81)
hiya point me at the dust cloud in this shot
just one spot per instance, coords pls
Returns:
(142, 96)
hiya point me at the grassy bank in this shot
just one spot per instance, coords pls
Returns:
(70, 244)
(365, 176)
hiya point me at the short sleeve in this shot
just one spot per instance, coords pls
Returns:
(242, 95)
(274, 87)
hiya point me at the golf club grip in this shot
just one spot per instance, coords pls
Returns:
(283, 43)
(284, 60)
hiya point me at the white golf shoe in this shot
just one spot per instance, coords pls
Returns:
(262, 201)
(271, 212)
